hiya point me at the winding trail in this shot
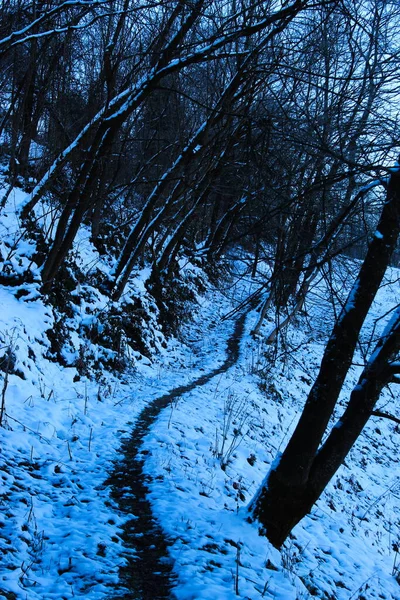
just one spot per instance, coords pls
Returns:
(149, 572)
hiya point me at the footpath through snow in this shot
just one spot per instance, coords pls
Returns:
(61, 531)
(148, 573)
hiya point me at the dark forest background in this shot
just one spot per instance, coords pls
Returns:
(191, 127)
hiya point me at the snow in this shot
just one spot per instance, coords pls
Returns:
(209, 452)
(335, 551)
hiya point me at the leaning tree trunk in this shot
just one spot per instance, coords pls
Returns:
(292, 486)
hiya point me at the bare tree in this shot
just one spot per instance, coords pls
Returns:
(302, 472)
(97, 138)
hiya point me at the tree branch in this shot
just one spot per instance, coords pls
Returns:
(383, 415)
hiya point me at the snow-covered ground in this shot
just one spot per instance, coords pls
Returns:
(60, 531)
(215, 449)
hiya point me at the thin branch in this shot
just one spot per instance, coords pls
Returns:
(383, 415)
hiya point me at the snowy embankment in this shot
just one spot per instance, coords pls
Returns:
(61, 431)
(60, 532)
(209, 454)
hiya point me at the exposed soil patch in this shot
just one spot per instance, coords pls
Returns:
(149, 574)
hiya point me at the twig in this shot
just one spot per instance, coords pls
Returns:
(237, 571)
(90, 437)
(29, 429)
(5, 385)
(378, 413)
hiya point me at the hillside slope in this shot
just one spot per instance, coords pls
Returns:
(70, 397)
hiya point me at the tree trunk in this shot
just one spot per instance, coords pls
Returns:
(298, 478)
